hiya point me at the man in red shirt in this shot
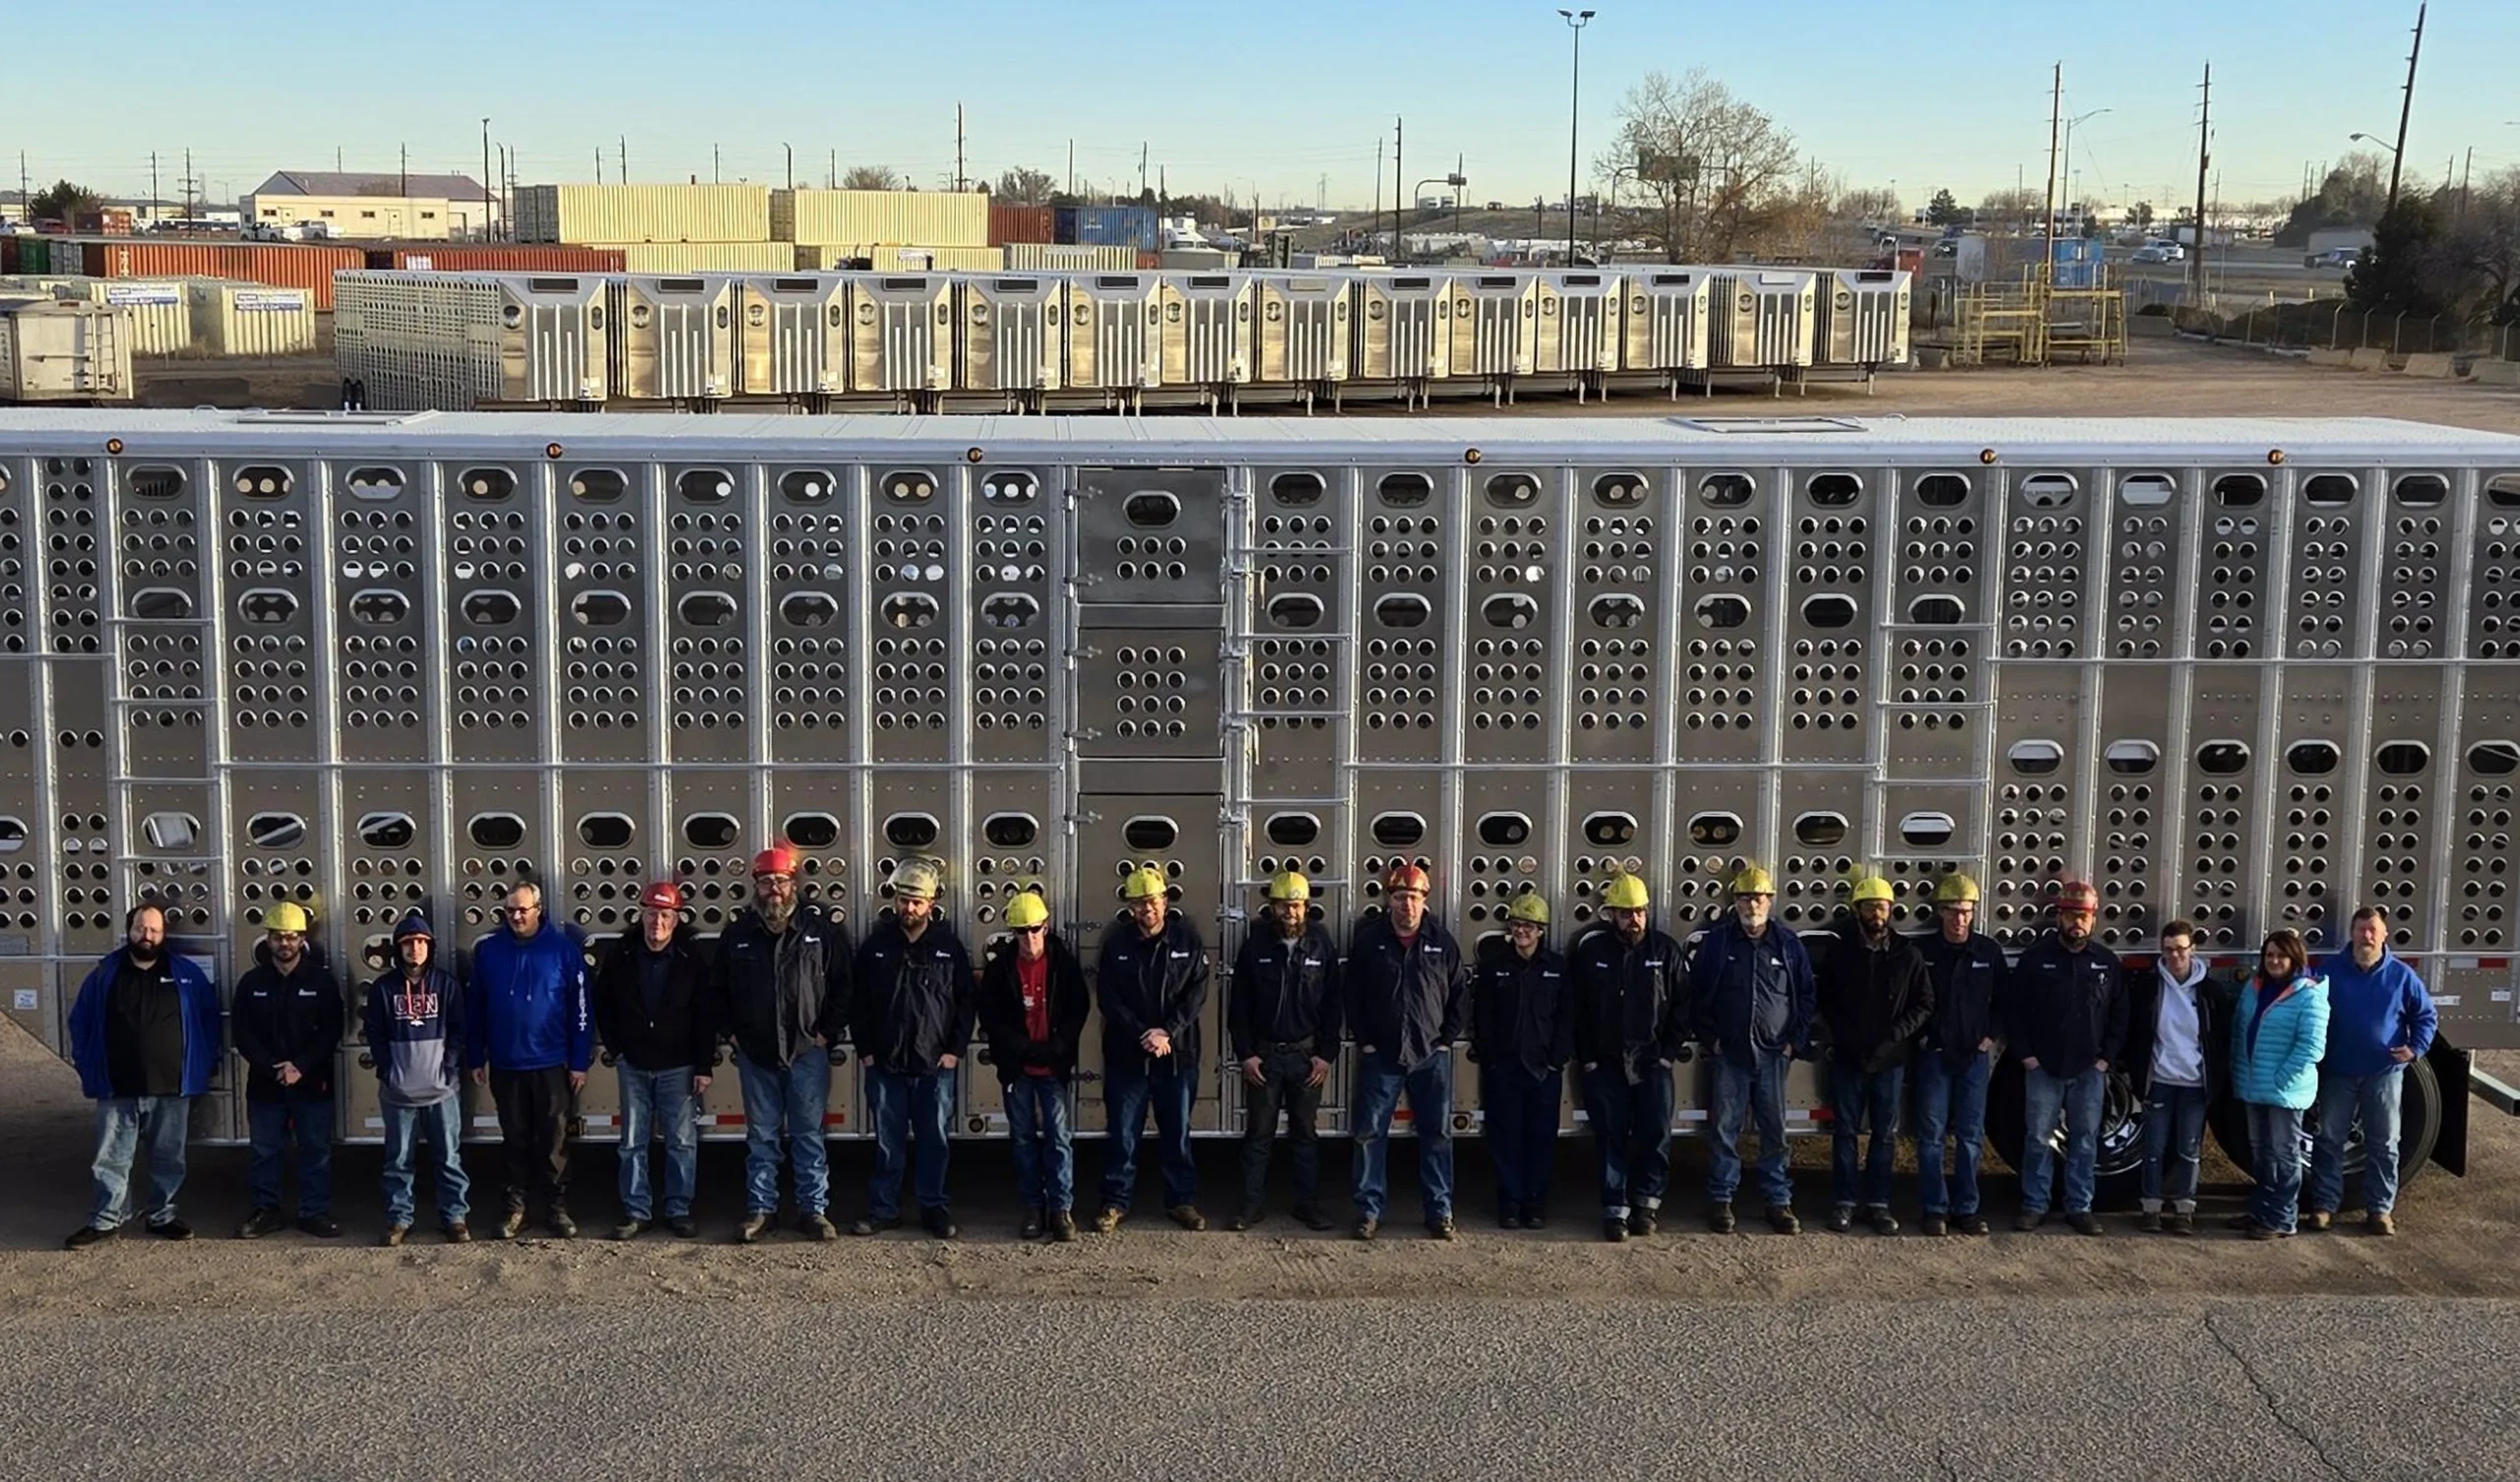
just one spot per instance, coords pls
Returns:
(1033, 1007)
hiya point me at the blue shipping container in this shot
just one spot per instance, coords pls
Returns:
(1106, 226)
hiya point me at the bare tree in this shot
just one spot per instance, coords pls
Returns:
(870, 177)
(1872, 204)
(1023, 186)
(1716, 176)
(2017, 210)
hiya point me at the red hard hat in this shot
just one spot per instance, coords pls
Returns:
(1407, 876)
(2074, 894)
(663, 895)
(778, 859)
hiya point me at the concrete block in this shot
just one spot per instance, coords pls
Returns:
(2341, 359)
(2498, 373)
(2431, 366)
(2371, 359)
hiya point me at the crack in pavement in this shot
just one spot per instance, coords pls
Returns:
(2266, 1397)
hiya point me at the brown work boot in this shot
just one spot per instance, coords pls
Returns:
(2380, 1224)
(2318, 1219)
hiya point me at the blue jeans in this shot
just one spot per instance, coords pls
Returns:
(441, 1128)
(2375, 1099)
(2173, 1136)
(272, 1126)
(1166, 1083)
(128, 1126)
(653, 1104)
(2077, 1100)
(1045, 1145)
(903, 1105)
(1429, 1084)
(1953, 1103)
(2275, 1161)
(786, 1103)
(1521, 1118)
(1758, 1093)
(1866, 1102)
(1632, 1133)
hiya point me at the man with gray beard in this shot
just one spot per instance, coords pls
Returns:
(782, 989)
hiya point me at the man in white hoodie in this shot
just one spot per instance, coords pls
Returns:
(2170, 1027)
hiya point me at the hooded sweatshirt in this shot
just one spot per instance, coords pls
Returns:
(2179, 1027)
(416, 1036)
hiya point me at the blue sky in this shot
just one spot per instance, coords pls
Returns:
(1266, 96)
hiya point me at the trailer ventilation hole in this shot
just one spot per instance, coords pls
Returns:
(1513, 491)
(2402, 759)
(2049, 491)
(377, 607)
(1624, 490)
(1010, 831)
(171, 830)
(711, 831)
(495, 831)
(1722, 612)
(2147, 491)
(1298, 490)
(1820, 830)
(1618, 610)
(810, 831)
(275, 831)
(911, 830)
(1403, 611)
(705, 485)
(909, 487)
(1291, 830)
(1399, 830)
(263, 481)
(600, 609)
(1927, 831)
(387, 831)
(1151, 508)
(491, 609)
(487, 483)
(1835, 491)
(2494, 759)
(1715, 831)
(13, 834)
(909, 610)
(2240, 491)
(2313, 759)
(2330, 490)
(1505, 831)
(1727, 491)
(2422, 491)
(1404, 491)
(1149, 831)
(1009, 488)
(2222, 758)
(266, 606)
(162, 604)
(807, 486)
(157, 482)
(2502, 491)
(606, 830)
(1940, 610)
(599, 484)
(374, 483)
(2131, 759)
(1512, 610)
(809, 609)
(1010, 609)
(2036, 759)
(1295, 612)
(1943, 491)
(1831, 610)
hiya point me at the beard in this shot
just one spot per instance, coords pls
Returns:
(776, 915)
(145, 956)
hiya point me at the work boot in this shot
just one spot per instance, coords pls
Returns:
(1782, 1219)
(1031, 1228)
(1644, 1221)
(2182, 1222)
(320, 1227)
(868, 1224)
(1533, 1219)
(2318, 1221)
(512, 1224)
(172, 1229)
(1062, 1226)
(2028, 1220)
(559, 1223)
(1841, 1218)
(1509, 1216)
(939, 1222)
(263, 1221)
(457, 1232)
(1934, 1225)
(1974, 1224)
(1246, 1216)
(818, 1226)
(1367, 1227)
(1719, 1219)
(752, 1229)
(682, 1226)
(86, 1236)
(2243, 1222)
(629, 1228)
(2086, 1222)
(1189, 1217)
(2382, 1223)
(1883, 1221)
(1109, 1219)
(2151, 1223)
(1614, 1228)
(2263, 1232)
(1442, 1228)
(394, 1235)
(1314, 1217)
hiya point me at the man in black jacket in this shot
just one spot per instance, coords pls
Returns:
(2066, 1019)
(1631, 1018)
(1284, 1022)
(782, 991)
(1033, 1006)
(1875, 998)
(911, 1017)
(1408, 999)
(652, 1010)
(1522, 1035)
(1151, 979)
(287, 1016)
(1956, 1058)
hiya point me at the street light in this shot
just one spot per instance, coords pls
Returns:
(2069, 140)
(1576, 20)
(1456, 180)
(2382, 143)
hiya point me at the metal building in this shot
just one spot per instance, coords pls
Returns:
(2254, 672)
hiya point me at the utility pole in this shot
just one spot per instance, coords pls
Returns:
(2406, 108)
(1397, 191)
(1377, 188)
(2204, 159)
(1071, 166)
(958, 146)
(832, 178)
(155, 201)
(406, 172)
(713, 167)
(486, 181)
(621, 172)
(2047, 217)
(1576, 20)
(189, 184)
(792, 164)
(1141, 169)
(2467, 177)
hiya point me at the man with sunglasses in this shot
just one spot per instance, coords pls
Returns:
(533, 1034)
(1033, 1003)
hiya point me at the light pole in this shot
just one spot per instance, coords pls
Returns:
(1456, 180)
(2376, 140)
(2069, 146)
(1576, 20)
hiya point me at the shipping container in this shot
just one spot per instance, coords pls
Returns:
(1052, 256)
(1107, 226)
(1493, 314)
(1007, 333)
(703, 257)
(457, 257)
(1207, 329)
(250, 319)
(1863, 318)
(114, 221)
(621, 214)
(1761, 318)
(437, 342)
(824, 217)
(1303, 329)
(1009, 224)
(1403, 326)
(56, 351)
(281, 264)
(673, 338)
(1192, 260)
(887, 257)
(791, 338)
(901, 334)
(1577, 325)
(160, 314)
(1666, 320)
(1115, 338)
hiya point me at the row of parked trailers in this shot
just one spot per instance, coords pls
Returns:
(1099, 340)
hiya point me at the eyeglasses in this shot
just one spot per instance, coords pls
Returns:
(524, 910)
(1029, 931)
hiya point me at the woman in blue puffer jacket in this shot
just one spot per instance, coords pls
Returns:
(2278, 1037)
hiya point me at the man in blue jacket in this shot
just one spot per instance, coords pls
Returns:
(145, 1036)
(1752, 999)
(2380, 1021)
(532, 1035)
(414, 1024)
(1408, 999)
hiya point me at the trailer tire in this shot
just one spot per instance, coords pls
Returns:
(2119, 1177)
(2418, 1129)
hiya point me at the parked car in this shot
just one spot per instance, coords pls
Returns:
(2334, 257)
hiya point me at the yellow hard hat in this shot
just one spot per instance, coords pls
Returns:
(1956, 888)
(1027, 909)
(1529, 906)
(289, 915)
(1872, 888)
(918, 880)
(1627, 892)
(1143, 882)
(1753, 881)
(1288, 884)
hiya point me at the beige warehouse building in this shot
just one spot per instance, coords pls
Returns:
(420, 207)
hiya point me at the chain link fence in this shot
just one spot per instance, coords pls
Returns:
(2333, 324)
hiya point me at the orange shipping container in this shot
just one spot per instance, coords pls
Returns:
(449, 257)
(1020, 224)
(283, 265)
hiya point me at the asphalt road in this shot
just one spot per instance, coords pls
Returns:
(2287, 1389)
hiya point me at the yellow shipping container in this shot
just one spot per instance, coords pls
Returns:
(590, 213)
(703, 257)
(947, 218)
(232, 318)
(162, 315)
(1059, 257)
(889, 257)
